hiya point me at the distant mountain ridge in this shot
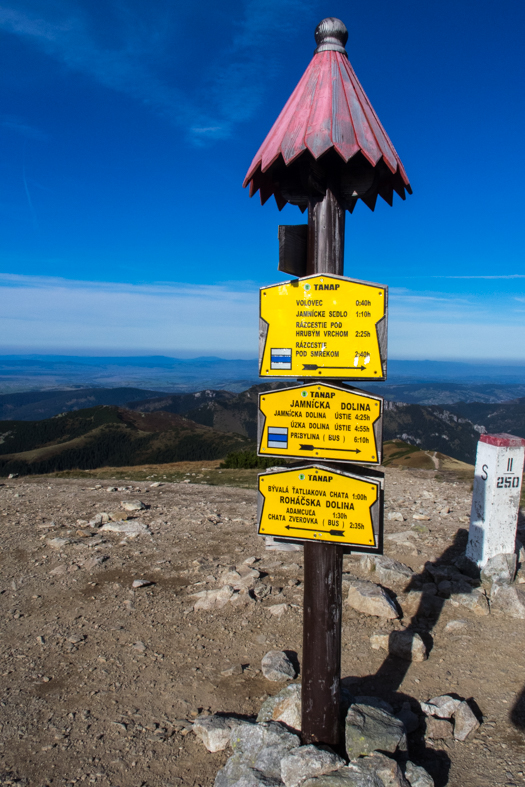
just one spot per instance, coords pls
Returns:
(108, 436)
(164, 373)
(208, 424)
(37, 405)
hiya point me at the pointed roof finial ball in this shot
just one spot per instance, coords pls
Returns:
(331, 35)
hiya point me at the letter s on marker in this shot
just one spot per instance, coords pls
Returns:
(484, 474)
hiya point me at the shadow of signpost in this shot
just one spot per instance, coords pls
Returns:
(436, 583)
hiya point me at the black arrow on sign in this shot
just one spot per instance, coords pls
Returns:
(316, 530)
(312, 447)
(311, 367)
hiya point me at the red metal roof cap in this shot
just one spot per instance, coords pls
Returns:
(328, 112)
(503, 440)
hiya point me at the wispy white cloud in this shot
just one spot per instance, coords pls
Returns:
(42, 312)
(450, 340)
(38, 311)
(19, 126)
(434, 307)
(503, 276)
(134, 63)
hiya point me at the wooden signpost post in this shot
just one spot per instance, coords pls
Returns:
(326, 150)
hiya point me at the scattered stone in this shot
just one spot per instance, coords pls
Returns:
(284, 707)
(140, 646)
(213, 599)
(395, 516)
(420, 517)
(401, 538)
(417, 776)
(404, 644)
(443, 707)
(455, 625)
(58, 543)
(76, 639)
(369, 729)
(438, 729)
(465, 721)
(132, 505)
(476, 601)
(155, 484)
(241, 578)
(235, 669)
(58, 570)
(130, 529)
(13, 475)
(370, 599)
(307, 762)
(277, 666)
(500, 569)
(117, 516)
(111, 489)
(141, 583)
(273, 545)
(214, 731)
(261, 591)
(99, 519)
(388, 571)
(278, 610)
(408, 717)
(508, 600)
(93, 562)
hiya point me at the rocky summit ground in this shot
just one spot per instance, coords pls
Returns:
(110, 645)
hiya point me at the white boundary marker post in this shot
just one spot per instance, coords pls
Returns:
(496, 497)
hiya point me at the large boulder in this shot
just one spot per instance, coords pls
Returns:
(403, 644)
(237, 773)
(509, 600)
(465, 721)
(370, 599)
(214, 731)
(369, 729)
(387, 571)
(474, 600)
(308, 761)
(381, 768)
(438, 729)
(417, 776)
(443, 706)
(284, 707)
(259, 747)
(276, 666)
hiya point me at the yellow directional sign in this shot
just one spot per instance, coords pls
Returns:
(321, 421)
(316, 503)
(323, 326)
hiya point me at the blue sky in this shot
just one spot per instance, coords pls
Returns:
(126, 131)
